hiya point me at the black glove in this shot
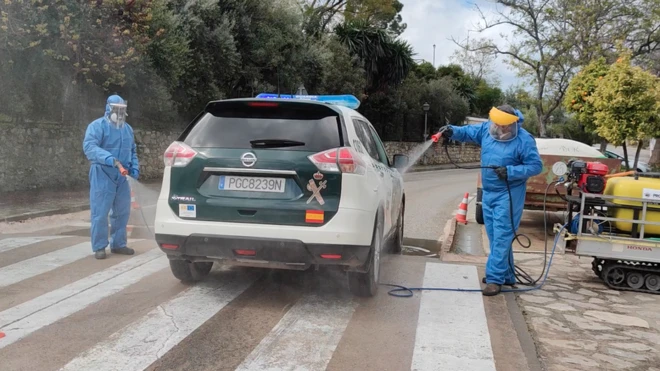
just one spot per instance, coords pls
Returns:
(446, 134)
(501, 172)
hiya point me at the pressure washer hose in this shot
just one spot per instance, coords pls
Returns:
(522, 277)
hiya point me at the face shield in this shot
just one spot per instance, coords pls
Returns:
(117, 115)
(503, 126)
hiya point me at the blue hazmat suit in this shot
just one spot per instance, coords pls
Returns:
(104, 143)
(521, 158)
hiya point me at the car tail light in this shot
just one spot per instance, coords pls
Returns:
(331, 256)
(262, 104)
(169, 246)
(343, 159)
(178, 154)
(245, 252)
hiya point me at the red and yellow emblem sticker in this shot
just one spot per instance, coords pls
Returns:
(314, 216)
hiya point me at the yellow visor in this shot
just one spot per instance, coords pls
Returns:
(502, 118)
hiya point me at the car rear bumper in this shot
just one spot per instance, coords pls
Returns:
(350, 227)
(263, 252)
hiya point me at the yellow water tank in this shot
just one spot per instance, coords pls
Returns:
(644, 188)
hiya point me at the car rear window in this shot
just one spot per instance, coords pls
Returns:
(234, 125)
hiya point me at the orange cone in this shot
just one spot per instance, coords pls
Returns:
(134, 204)
(461, 215)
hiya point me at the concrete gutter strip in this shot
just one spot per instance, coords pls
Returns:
(419, 169)
(44, 213)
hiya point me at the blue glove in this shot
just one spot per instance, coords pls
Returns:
(110, 161)
(134, 173)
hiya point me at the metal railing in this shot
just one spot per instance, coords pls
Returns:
(642, 222)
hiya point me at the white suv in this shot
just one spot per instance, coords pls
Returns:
(281, 182)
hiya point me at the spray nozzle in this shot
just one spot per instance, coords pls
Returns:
(436, 137)
(122, 170)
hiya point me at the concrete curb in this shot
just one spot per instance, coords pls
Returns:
(448, 238)
(43, 213)
(425, 168)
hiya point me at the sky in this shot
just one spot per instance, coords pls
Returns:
(436, 21)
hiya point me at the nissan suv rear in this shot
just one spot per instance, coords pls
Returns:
(279, 183)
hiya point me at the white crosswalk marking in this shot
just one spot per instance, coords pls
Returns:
(452, 332)
(149, 338)
(47, 300)
(9, 244)
(29, 268)
(305, 338)
(19, 329)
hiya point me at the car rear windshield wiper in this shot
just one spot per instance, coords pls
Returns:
(275, 143)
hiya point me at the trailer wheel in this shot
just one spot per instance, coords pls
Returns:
(479, 211)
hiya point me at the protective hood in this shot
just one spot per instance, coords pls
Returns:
(115, 111)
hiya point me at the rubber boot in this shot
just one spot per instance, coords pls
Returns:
(123, 251)
(100, 254)
(491, 289)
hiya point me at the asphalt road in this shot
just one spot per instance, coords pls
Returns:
(62, 309)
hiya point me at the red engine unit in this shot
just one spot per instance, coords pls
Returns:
(589, 176)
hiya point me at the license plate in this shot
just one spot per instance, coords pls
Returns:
(251, 184)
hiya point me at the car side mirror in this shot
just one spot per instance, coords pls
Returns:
(401, 162)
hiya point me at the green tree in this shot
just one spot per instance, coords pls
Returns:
(425, 71)
(386, 61)
(322, 15)
(581, 88)
(626, 103)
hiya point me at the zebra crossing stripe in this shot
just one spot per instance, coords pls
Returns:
(29, 268)
(305, 338)
(9, 244)
(62, 309)
(452, 331)
(146, 340)
(51, 298)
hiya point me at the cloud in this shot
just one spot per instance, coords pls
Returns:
(436, 22)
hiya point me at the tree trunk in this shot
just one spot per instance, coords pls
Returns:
(625, 155)
(603, 145)
(655, 153)
(639, 149)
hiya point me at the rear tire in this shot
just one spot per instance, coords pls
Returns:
(397, 239)
(479, 211)
(366, 284)
(189, 272)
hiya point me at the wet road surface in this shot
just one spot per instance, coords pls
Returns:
(62, 309)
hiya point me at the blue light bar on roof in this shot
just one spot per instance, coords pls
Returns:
(347, 100)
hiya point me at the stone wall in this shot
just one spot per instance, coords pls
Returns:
(42, 157)
(435, 155)
(50, 157)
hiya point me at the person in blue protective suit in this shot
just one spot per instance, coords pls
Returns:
(109, 145)
(510, 154)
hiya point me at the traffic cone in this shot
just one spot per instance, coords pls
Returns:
(461, 215)
(134, 204)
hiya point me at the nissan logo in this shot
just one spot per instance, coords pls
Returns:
(248, 159)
